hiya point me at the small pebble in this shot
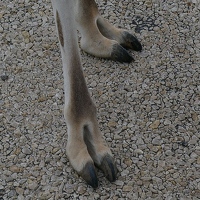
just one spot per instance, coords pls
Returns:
(147, 110)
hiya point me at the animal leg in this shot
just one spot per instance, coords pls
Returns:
(99, 37)
(85, 147)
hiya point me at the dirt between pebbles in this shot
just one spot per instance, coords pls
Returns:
(148, 110)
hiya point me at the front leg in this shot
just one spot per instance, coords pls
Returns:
(85, 147)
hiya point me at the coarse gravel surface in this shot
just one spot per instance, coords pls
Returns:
(148, 110)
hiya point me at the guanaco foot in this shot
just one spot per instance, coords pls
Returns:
(86, 149)
(107, 165)
(103, 47)
(104, 40)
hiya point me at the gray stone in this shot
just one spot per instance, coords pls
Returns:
(148, 110)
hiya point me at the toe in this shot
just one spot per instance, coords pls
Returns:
(120, 54)
(130, 41)
(109, 168)
(88, 173)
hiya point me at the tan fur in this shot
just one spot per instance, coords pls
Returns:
(85, 146)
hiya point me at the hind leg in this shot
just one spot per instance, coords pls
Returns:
(99, 37)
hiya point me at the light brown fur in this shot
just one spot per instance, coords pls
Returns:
(86, 147)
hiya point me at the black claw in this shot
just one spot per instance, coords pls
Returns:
(108, 167)
(131, 42)
(120, 54)
(89, 175)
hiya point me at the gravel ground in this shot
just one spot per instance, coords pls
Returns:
(148, 111)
